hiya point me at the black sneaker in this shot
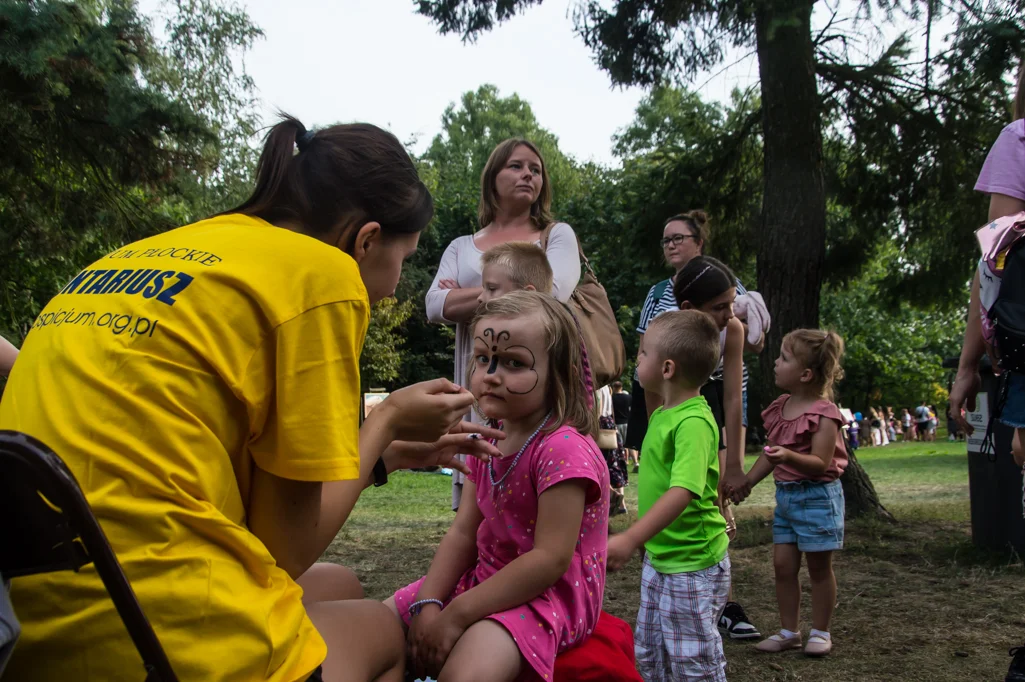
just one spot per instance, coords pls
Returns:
(1016, 673)
(734, 623)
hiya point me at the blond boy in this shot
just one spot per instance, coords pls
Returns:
(686, 574)
(514, 266)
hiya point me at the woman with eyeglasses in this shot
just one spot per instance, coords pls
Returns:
(683, 239)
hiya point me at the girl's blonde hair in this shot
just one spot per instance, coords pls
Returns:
(566, 393)
(540, 210)
(822, 352)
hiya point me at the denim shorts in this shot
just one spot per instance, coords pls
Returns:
(809, 514)
(1013, 413)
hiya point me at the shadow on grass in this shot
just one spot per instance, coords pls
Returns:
(928, 542)
(916, 600)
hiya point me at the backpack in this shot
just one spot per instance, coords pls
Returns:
(1002, 289)
(659, 290)
(1002, 299)
(599, 327)
(1007, 314)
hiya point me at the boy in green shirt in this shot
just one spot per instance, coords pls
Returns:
(686, 576)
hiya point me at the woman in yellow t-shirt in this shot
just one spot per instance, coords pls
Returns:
(203, 386)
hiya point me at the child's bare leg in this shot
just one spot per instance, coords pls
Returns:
(786, 561)
(391, 606)
(502, 663)
(329, 582)
(364, 641)
(1018, 446)
(823, 589)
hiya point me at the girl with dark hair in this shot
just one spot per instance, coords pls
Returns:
(209, 408)
(684, 237)
(708, 285)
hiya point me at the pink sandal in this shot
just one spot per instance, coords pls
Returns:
(817, 646)
(777, 643)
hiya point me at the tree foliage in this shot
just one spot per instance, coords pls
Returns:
(452, 167)
(894, 353)
(113, 134)
(200, 66)
(904, 129)
(89, 145)
(381, 360)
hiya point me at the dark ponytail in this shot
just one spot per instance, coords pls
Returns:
(703, 279)
(344, 175)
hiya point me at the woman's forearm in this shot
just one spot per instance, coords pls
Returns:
(461, 304)
(974, 345)
(339, 497)
(733, 407)
(8, 354)
(298, 520)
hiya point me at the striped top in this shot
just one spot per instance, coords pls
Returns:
(660, 299)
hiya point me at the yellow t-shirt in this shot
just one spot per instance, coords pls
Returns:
(163, 374)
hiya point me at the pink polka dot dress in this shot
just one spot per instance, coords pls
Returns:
(565, 614)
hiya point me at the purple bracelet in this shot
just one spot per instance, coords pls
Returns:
(417, 606)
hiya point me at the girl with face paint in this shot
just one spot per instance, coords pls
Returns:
(521, 573)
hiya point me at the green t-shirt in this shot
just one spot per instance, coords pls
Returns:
(681, 451)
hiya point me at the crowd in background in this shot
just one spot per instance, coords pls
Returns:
(879, 427)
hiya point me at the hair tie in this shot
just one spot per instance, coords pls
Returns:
(302, 140)
(679, 296)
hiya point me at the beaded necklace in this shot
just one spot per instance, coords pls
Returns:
(491, 468)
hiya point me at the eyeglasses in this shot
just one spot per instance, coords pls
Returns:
(677, 239)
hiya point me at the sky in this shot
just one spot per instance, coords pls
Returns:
(330, 61)
(378, 61)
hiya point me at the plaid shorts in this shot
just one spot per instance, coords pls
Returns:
(677, 636)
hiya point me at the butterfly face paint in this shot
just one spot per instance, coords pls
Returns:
(496, 351)
(489, 333)
(509, 367)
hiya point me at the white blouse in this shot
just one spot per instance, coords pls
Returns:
(461, 262)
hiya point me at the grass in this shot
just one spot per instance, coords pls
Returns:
(917, 601)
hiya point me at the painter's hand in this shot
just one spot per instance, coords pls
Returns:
(426, 411)
(465, 439)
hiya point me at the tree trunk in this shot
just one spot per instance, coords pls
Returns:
(792, 246)
(859, 494)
